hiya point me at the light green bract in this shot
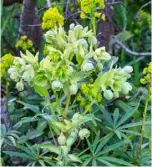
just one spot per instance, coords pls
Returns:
(72, 58)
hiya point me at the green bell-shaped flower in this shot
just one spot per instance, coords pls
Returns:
(84, 133)
(108, 94)
(20, 86)
(61, 139)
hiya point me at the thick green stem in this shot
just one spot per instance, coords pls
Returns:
(67, 105)
(143, 125)
(94, 25)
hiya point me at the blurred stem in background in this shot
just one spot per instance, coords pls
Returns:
(135, 64)
(143, 124)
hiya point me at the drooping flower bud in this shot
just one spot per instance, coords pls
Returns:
(73, 89)
(61, 139)
(77, 119)
(57, 85)
(84, 133)
(102, 54)
(13, 74)
(126, 87)
(128, 69)
(74, 133)
(87, 67)
(100, 66)
(108, 94)
(20, 86)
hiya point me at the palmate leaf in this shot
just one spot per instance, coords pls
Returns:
(30, 135)
(74, 158)
(123, 105)
(130, 125)
(42, 163)
(52, 148)
(115, 116)
(107, 116)
(113, 147)
(96, 141)
(33, 108)
(28, 149)
(32, 164)
(94, 162)
(12, 140)
(116, 160)
(104, 162)
(18, 154)
(127, 115)
(131, 132)
(86, 162)
(103, 142)
(42, 124)
(25, 120)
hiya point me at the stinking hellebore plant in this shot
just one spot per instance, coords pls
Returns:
(74, 67)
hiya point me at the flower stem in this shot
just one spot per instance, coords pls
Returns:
(67, 105)
(143, 125)
(94, 25)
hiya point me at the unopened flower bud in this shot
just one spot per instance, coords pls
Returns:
(128, 69)
(108, 94)
(73, 89)
(74, 133)
(57, 85)
(87, 67)
(84, 133)
(62, 139)
(126, 87)
(77, 119)
(100, 66)
(20, 86)
(99, 50)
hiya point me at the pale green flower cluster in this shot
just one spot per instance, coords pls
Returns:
(75, 54)
(72, 59)
(70, 130)
(113, 82)
(23, 69)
